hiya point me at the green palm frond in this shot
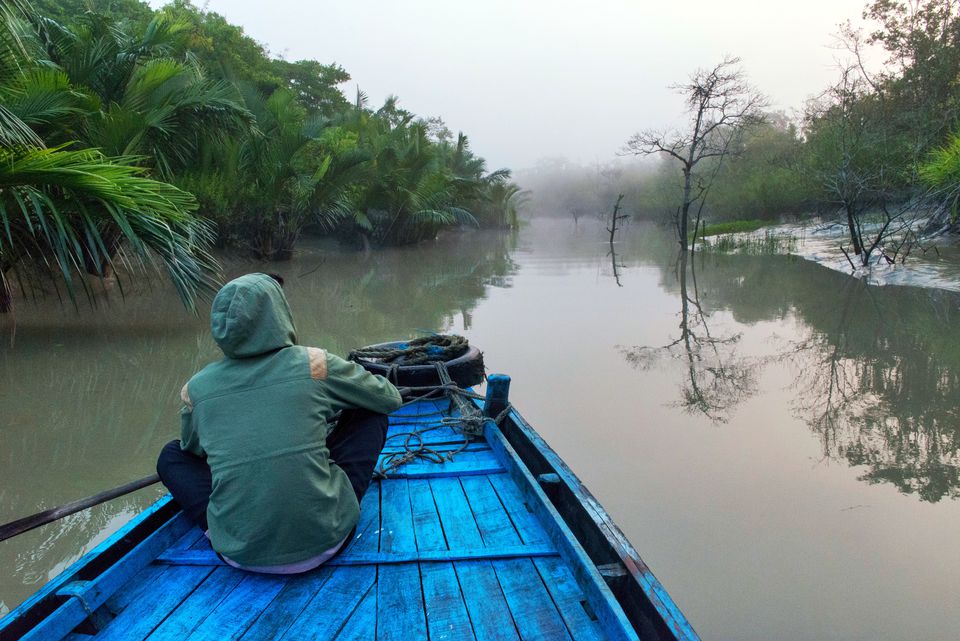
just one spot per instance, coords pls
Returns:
(462, 216)
(160, 37)
(18, 44)
(426, 217)
(499, 176)
(43, 99)
(65, 211)
(941, 173)
(14, 132)
(168, 109)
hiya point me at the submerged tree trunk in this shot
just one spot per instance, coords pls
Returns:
(684, 211)
(852, 226)
(276, 238)
(616, 267)
(722, 105)
(614, 220)
(684, 301)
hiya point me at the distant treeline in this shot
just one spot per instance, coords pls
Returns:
(280, 147)
(764, 180)
(128, 130)
(869, 141)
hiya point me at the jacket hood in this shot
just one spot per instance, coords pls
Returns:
(250, 316)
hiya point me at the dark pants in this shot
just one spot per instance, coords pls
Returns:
(354, 444)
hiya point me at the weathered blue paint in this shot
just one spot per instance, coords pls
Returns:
(50, 588)
(468, 549)
(354, 557)
(155, 602)
(84, 596)
(362, 624)
(611, 616)
(670, 614)
(287, 606)
(498, 395)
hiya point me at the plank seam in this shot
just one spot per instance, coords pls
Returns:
(423, 600)
(473, 513)
(594, 587)
(553, 600)
(506, 511)
(499, 566)
(436, 508)
(513, 622)
(198, 622)
(347, 618)
(171, 610)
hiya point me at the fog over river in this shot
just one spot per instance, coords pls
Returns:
(780, 442)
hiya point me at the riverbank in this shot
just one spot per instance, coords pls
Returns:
(732, 227)
(934, 263)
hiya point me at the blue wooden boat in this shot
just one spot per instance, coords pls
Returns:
(500, 541)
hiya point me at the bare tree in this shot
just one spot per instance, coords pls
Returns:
(856, 156)
(614, 221)
(721, 104)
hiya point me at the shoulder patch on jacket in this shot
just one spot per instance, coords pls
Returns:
(185, 397)
(318, 363)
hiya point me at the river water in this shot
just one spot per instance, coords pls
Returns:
(781, 442)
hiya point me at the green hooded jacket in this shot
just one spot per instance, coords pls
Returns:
(260, 417)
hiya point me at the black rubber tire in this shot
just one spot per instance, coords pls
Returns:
(466, 370)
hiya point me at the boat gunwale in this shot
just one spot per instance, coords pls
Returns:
(110, 553)
(636, 580)
(614, 622)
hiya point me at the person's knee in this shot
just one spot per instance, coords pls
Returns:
(383, 422)
(379, 423)
(170, 453)
(369, 419)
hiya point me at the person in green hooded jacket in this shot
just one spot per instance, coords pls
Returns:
(256, 465)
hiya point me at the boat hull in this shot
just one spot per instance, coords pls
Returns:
(501, 541)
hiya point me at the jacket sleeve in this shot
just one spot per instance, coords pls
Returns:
(189, 439)
(350, 385)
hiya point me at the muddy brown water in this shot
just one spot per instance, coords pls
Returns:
(779, 441)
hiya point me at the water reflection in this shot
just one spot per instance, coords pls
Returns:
(879, 382)
(615, 265)
(87, 399)
(757, 341)
(717, 378)
(877, 369)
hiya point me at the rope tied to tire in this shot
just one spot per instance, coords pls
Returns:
(469, 424)
(435, 348)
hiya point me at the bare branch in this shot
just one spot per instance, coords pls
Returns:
(721, 104)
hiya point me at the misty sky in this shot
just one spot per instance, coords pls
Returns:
(533, 79)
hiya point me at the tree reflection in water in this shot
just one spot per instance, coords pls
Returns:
(717, 379)
(881, 394)
(876, 369)
(615, 265)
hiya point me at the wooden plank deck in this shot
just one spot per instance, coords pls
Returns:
(442, 551)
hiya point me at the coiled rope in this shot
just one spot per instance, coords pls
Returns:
(469, 424)
(435, 348)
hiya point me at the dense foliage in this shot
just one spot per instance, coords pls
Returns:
(126, 131)
(66, 207)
